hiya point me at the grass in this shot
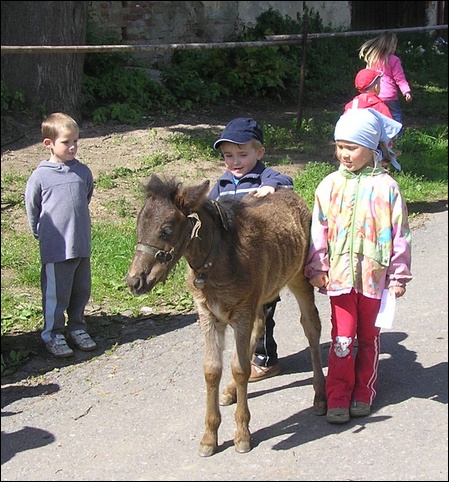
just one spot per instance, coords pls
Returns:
(423, 181)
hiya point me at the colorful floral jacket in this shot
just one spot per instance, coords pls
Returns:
(360, 234)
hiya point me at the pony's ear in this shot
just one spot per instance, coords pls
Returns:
(190, 199)
(156, 184)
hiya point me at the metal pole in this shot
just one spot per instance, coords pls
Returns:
(305, 27)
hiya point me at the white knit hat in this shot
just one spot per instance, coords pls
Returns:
(366, 127)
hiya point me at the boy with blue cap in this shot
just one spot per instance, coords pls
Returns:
(241, 144)
(360, 246)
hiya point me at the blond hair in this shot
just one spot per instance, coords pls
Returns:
(375, 52)
(55, 123)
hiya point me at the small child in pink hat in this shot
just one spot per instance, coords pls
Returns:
(367, 82)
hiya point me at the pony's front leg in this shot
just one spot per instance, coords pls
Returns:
(213, 367)
(229, 394)
(241, 368)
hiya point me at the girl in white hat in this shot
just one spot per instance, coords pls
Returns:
(360, 246)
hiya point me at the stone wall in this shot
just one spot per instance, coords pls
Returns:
(179, 22)
(162, 22)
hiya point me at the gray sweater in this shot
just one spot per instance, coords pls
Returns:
(57, 198)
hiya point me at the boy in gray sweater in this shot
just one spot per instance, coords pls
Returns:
(57, 198)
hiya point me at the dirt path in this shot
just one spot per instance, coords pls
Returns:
(134, 411)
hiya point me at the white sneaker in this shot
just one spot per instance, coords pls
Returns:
(82, 340)
(58, 347)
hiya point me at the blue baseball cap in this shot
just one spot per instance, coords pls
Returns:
(240, 131)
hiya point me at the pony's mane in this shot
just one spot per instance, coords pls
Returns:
(164, 188)
(167, 188)
(225, 211)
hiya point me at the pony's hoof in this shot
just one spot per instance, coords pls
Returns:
(207, 450)
(243, 447)
(227, 399)
(320, 408)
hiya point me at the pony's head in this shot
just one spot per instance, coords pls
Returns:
(164, 228)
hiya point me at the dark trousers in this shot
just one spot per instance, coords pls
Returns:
(266, 350)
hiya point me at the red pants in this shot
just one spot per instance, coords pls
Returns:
(352, 372)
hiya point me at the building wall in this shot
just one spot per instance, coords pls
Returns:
(161, 22)
(178, 22)
(335, 14)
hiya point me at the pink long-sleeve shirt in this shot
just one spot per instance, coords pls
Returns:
(393, 80)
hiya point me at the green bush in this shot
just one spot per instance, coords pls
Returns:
(115, 91)
(118, 88)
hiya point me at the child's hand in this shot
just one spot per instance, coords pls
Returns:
(397, 290)
(319, 280)
(264, 191)
(408, 97)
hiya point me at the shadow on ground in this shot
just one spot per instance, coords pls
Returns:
(108, 332)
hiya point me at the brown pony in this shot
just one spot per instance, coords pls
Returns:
(240, 255)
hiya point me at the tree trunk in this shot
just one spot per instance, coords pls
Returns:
(51, 82)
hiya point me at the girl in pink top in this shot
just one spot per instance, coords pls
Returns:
(379, 54)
